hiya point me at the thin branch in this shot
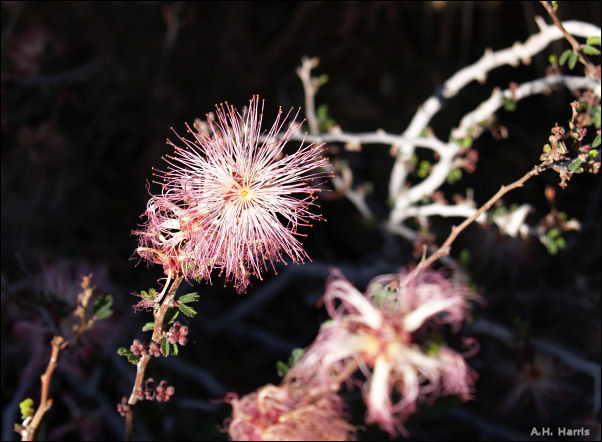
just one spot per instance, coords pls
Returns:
(527, 89)
(29, 431)
(310, 87)
(158, 335)
(446, 246)
(590, 68)
(477, 71)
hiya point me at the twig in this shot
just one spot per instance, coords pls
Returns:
(477, 71)
(445, 247)
(82, 306)
(310, 87)
(158, 334)
(29, 431)
(590, 68)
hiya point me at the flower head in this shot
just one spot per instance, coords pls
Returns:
(387, 334)
(288, 412)
(232, 199)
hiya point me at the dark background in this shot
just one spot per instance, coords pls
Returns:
(86, 117)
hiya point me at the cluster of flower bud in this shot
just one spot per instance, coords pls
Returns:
(162, 392)
(123, 407)
(178, 334)
(142, 348)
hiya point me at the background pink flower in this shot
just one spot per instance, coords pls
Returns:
(387, 334)
(288, 412)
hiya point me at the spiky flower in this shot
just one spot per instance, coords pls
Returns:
(387, 333)
(288, 412)
(232, 199)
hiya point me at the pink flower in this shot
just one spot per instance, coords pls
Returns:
(387, 334)
(288, 412)
(232, 199)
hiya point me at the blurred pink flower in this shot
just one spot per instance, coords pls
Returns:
(386, 334)
(28, 51)
(288, 412)
(231, 201)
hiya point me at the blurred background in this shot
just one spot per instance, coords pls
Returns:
(89, 93)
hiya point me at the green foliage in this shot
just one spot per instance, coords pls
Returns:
(465, 258)
(324, 119)
(283, 367)
(569, 55)
(554, 241)
(188, 311)
(150, 295)
(171, 314)
(148, 326)
(509, 104)
(323, 79)
(434, 345)
(595, 114)
(590, 50)
(167, 348)
(575, 166)
(424, 168)
(132, 358)
(102, 307)
(454, 175)
(26, 407)
(595, 40)
(189, 297)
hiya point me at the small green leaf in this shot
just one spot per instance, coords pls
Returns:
(596, 114)
(424, 169)
(165, 347)
(467, 142)
(323, 79)
(564, 57)
(590, 50)
(573, 59)
(174, 349)
(189, 297)
(148, 326)
(150, 295)
(283, 367)
(171, 315)
(509, 104)
(188, 311)
(465, 258)
(553, 59)
(102, 307)
(575, 165)
(26, 407)
(596, 143)
(454, 175)
(132, 358)
(595, 40)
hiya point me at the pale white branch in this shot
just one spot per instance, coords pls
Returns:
(478, 71)
(498, 98)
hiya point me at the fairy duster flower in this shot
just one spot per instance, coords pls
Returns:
(387, 333)
(288, 412)
(232, 199)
